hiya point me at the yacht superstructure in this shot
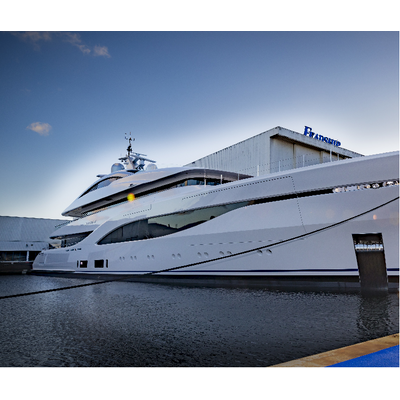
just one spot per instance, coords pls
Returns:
(310, 223)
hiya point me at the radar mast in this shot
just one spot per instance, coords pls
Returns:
(133, 162)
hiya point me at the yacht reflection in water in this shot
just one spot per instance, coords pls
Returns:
(373, 319)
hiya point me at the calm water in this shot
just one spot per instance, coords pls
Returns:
(121, 324)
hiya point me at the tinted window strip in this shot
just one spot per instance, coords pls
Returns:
(172, 223)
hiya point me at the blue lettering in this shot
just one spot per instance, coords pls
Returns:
(308, 132)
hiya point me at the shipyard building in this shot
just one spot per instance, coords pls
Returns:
(275, 150)
(22, 239)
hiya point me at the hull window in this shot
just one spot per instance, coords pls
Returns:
(101, 184)
(167, 224)
(83, 264)
(70, 240)
(99, 263)
(202, 181)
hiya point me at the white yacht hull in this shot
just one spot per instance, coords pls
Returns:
(299, 232)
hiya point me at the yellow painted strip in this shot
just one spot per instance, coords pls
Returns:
(344, 354)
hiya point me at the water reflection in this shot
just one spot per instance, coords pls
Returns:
(140, 324)
(373, 316)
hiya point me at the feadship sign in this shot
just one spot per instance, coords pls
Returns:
(308, 132)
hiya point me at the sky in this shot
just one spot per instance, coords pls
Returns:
(67, 98)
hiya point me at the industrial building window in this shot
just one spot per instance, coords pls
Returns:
(13, 256)
(32, 255)
(167, 224)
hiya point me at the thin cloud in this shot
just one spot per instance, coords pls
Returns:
(101, 51)
(33, 37)
(73, 38)
(42, 128)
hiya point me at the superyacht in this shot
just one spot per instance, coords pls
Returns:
(323, 224)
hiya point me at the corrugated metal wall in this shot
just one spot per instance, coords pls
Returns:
(27, 229)
(26, 234)
(278, 149)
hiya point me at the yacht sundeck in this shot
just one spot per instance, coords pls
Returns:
(334, 223)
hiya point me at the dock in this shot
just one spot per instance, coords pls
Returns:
(15, 267)
(382, 352)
